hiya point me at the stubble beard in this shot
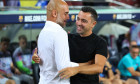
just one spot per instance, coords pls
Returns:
(59, 21)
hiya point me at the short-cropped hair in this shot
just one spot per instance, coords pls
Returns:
(22, 37)
(5, 39)
(92, 11)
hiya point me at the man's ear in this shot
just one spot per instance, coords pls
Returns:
(94, 23)
(54, 13)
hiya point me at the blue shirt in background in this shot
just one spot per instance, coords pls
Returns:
(126, 62)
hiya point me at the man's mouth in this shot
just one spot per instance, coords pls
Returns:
(79, 28)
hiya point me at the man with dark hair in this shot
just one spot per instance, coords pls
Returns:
(22, 37)
(22, 59)
(23, 44)
(5, 55)
(5, 39)
(6, 65)
(22, 50)
(85, 46)
(94, 14)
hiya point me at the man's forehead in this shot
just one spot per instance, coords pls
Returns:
(85, 14)
(133, 43)
(4, 42)
(65, 8)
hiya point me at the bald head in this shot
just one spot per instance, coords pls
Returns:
(57, 11)
(55, 5)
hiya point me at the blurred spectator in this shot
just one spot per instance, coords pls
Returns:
(4, 80)
(6, 64)
(12, 2)
(108, 77)
(22, 58)
(135, 33)
(4, 2)
(111, 77)
(123, 43)
(130, 62)
(1, 3)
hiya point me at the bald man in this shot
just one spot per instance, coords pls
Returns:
(85, 46)
(53, 48)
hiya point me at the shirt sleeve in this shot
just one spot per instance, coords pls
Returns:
(61, 48)
(102, 48)
(127, 63)
(139, 62)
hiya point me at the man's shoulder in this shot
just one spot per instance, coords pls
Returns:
(7, 54)
(17, 49)
(99, 39)
(52, 26)
(127, 57)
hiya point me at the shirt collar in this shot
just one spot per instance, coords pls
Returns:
(50, 23)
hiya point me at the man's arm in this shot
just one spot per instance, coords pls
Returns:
(36, 59)
(97, 67)
(133, 72)
(22, 68)
(87, 69)
(128, 64)
(94, 68)
(1, 76)
(15, 69)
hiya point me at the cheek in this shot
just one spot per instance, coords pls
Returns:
(85, 25)
(76, 22)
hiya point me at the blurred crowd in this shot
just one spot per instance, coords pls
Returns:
(23, 3)
(15, 66)
(123, 65)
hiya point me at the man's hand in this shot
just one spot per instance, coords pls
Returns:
(35, 57)
(68, 72)
(1, 76)
(9, 75)
(108, 64)
(17, 71)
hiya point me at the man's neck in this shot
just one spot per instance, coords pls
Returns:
(51, 19)
(85, 35)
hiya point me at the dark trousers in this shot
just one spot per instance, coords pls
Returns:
(133, 77)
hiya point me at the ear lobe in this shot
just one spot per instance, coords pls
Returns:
(94, 23)
(54, 13)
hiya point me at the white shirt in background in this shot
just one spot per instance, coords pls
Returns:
(53, 50)
(1, 4)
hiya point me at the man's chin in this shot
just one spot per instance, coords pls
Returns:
(79, 32)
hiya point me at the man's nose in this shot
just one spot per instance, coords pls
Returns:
(78, 22)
